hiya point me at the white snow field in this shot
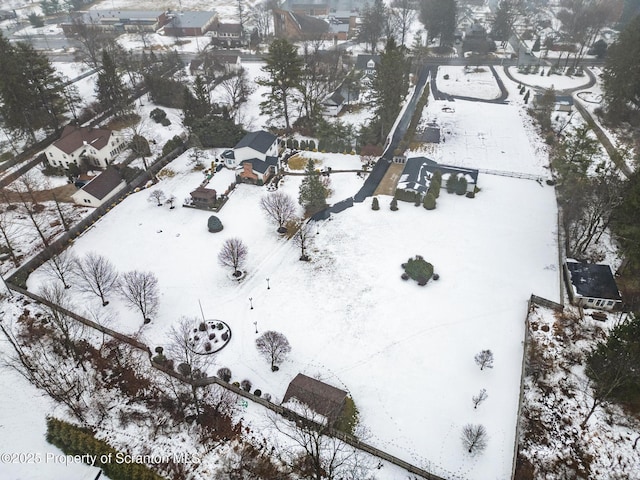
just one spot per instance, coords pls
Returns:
(404, 352)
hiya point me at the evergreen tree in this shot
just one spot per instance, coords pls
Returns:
(394, 204)
(461, 186)
(435, 184)
(373, 21)
(503, 21)
(110, 90)
(32, 94)
(375, 205)
(389, 87)
(452, 182)
(313, 194)
(439, 18)
(429, 201)
(284, 67)
(622, 75)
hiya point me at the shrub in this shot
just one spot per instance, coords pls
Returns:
(312, 145)
(159, 349)
(429, 201)
(165, 122)
(245, 385)
(171, 145)
(404, 276)
(214, 224)
(349, 417)
(257, 392)
(461, 186)
(375, 205)
(267, 397)
(452, 183)
(418, 269)
(212, 336)
(224, 374)
(157, 115)
(202, 327)
(471, 195)
(236, 384)
(219, 326)
(184, 369)
(207, 346)
(394, 204)
(435, 276)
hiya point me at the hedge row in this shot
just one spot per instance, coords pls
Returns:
(73, 440)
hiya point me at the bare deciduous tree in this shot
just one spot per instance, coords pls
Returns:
(303, 238)
(171, 199)
(236, 92)
(69, 328)
(188, 363)
(10, 232)
(479, 398)
(60, 266)
(140, 291)
(233, 255)
(274, 346)
(312, 454)
(280, 207)
(157, 196)
(484, 359)
(95, 274)
(474, 438)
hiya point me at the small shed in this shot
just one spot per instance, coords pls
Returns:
(592, 285)
(322, 398)
(203, 197)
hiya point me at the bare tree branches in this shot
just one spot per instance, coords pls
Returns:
(60, 266)
(479, 398)
(474, 438)
(484, 359)
(303, 238)
(96, 275)
(140, 291)
(274, 346)
(233, 255)
(280, 207)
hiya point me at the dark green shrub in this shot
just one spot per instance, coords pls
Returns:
(312, 145)
(452, 183)
(394, 204)
(171, 145)
(461, 186)
(375, 205)
(214, 224)
(157, 115)
(429, 201)
(471, 195)
(165, 122)
(257, 392)
(418, 269)
(348, 420)
(246, 385)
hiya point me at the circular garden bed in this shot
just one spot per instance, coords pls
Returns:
(209, 336)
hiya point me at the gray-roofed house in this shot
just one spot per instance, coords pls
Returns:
(297, 26)
(189, 24)
(102, 188)
(333, 104)
(96, 146)
(367, 65)
(418, 171)
(227, 35)
(120, 20)
(592, 285)
(257, 153)
(321, 397)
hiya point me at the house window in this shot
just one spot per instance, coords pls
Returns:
(599, 303)
(610, 303)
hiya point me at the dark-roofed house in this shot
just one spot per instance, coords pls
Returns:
(227, 35)
(367, 65)
(592, 285)
(418, 171)
(189, 24)
(322, 398)
(256, 145)
(120, 21)
(333, 104)
(257, 152)
(99, 190)
(297, 26)
(203, 197)
(96, 146)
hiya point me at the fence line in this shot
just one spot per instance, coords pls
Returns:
(279, 409)
(526, 176)
(543, 302)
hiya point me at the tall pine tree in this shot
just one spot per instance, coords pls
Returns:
(439, 18)
(110, 89)
(31, 93)
(389, 87)
(284, 67)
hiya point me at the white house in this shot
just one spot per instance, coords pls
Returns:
(99, 190)
(98, 146)
(592, 285)
(253, 146)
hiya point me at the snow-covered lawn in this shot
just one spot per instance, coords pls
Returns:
(468, 81)
(557, 82)
(393, 345)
